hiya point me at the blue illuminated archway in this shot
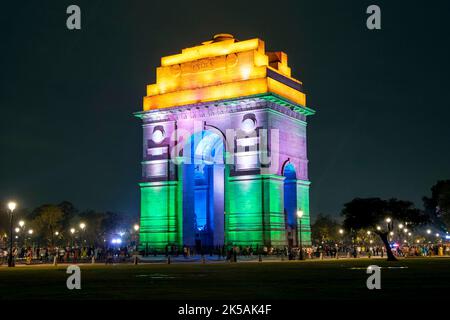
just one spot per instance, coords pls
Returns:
(203, 190)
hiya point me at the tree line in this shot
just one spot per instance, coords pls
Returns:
(364, 216)
(52, 223)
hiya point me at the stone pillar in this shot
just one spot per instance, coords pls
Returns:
(218, 224)
(303, 204)
(256, 212)
(159, 214)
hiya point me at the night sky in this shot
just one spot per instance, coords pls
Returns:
(67, 97)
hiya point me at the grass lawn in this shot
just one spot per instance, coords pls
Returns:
(336, 279)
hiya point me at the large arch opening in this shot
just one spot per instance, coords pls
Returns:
(203, 191)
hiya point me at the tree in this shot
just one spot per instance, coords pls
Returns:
(95, 231)
(69, 212)
(380, 217)
(325, 229)
(47, 220)
(4, 227)
(438, 206)
(99, 225)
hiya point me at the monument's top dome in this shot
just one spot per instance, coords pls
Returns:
(222, 36)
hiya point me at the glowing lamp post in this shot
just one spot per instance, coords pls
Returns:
(30, 233)
(82, 227)
(299, 216)
(72, 232)
(21, 228)
(135, 236)
(389, 223)
(11, 208)
(341, 233)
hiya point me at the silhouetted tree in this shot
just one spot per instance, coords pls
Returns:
(47, 220)
(438, 206)
(325, 229)
(370, 213)
(69, 211)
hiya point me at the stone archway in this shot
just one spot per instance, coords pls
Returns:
(203, 190)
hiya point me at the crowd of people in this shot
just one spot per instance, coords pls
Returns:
(72, 254)
(422, 250)
(77, 254)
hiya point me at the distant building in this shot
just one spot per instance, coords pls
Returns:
(224, 149)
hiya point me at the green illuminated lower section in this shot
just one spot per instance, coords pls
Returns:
(303, 204)
(159, 219)
(254, 212)
(255, 215)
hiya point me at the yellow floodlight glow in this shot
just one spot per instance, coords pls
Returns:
(222, 69)
(211, 50)
(12, 206)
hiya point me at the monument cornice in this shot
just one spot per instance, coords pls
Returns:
(225, 107)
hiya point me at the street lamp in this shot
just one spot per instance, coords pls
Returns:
(388, 220)
(82, 227)
(11, 206)
(22, 226)
(53, 237)
(135, 235)
(341, 231)
(72, 232)
(300, 215)
(429, 231)
(30, 232)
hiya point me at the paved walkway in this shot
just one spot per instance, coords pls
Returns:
(212, 260)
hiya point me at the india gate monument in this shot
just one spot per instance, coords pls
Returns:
(224, 149)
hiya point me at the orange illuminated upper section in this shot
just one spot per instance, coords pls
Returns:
(222, 68)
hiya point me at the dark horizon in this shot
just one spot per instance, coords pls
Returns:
(68, 97)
